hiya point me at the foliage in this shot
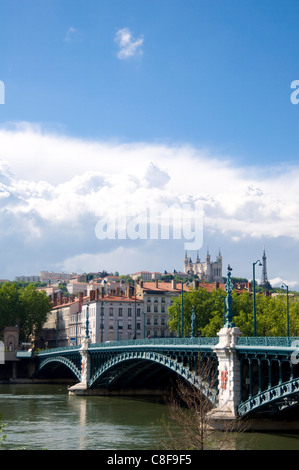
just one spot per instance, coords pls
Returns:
(23, 306)
(271, 313)
(206, 306)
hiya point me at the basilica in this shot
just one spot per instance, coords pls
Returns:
(207, 271)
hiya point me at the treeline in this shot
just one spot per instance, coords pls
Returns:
(25, 307)
(209, 309)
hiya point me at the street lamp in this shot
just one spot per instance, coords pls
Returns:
(117, 330)
(254, 306)
(193, 318)
(143, 313)
(87, 322)
(182, 329)
(102, 320)
(288, 320)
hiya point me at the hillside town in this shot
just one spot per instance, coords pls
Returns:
(114, 307)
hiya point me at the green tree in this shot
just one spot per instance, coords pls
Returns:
(25, 307)
(206, 305)
(11, 308)
(36, 306)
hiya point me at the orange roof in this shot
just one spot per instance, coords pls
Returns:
(164, 286)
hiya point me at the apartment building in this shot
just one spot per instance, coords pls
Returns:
(63, 325)
(109, 317)
(157, 298)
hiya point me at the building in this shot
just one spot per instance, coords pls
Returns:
(146, 276)
(63, 325)
(76, 287)
(158, 297)
(207, 271)
(27, 278)
(113, 317)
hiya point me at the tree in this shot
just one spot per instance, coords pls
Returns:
(11, 308)
(25, 307)
(36, 306)
(205, 305)
(191, 415)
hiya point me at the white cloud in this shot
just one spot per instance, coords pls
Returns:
(71, 34)
(54, 188)
(129, 46)
(277, 282)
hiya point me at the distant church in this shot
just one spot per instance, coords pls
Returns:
(207, 271)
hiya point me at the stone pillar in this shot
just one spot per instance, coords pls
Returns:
(81, 387)
(229, 381)
(85, 364)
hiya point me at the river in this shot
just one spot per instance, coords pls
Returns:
(38, 417)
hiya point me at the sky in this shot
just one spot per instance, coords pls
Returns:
(112, 111)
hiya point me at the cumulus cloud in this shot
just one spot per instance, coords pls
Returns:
(54, 189)
(129, 46)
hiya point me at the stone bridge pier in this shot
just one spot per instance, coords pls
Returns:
(229, 383)
(85, 369)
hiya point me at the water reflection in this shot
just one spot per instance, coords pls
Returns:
(46, 417)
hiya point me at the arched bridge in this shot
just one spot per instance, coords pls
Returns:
(149, 364)
(256, 375)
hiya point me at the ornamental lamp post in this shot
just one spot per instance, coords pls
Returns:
(102, 320)
(288, 319)
(229, 301)
(87, 323)
(117, 329)
(193, 318)
(182, 324)
(179, 319)
(254, 305)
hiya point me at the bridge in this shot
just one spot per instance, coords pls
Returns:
(255, 376)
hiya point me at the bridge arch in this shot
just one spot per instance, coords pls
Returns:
(142, 367)
(59, 360)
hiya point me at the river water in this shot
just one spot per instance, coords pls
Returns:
(38, 417)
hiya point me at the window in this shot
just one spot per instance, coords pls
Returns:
(129, 312)
(148, 308)
(111, 312)
(120, 312)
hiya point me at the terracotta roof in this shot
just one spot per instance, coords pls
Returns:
(164, 286)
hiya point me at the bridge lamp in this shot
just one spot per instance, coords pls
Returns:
(288, 319)
(87, 322)
(179, 319)
(254, 305)
(117, 328)
(182, 329)
(193, 318)
(143, 313)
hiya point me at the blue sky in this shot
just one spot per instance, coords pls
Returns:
(147, 101)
